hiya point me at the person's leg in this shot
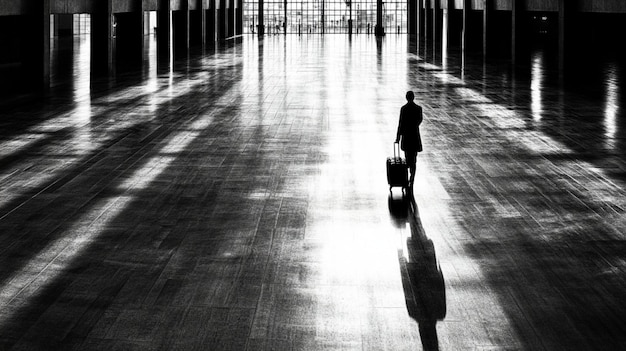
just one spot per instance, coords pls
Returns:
(411, 159)
(414, 169)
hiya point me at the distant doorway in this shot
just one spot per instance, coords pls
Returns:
(70, 51)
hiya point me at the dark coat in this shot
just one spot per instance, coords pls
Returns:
(408, 127)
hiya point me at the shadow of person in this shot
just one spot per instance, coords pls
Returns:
(422, 279)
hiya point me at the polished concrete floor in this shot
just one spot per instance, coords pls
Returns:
(238, 201)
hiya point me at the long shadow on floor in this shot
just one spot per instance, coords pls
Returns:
(44, 213)
(422, 279)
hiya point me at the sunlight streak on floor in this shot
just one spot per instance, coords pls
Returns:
(60, 253)
(52, 261)
(611, 109)
(48, 264)
(537, 86)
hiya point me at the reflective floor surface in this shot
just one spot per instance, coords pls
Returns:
(238, 201)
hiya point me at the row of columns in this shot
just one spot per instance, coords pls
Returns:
(493, 33)
(117, 38)
(192, 24)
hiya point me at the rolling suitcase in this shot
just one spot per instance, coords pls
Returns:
(397, 169)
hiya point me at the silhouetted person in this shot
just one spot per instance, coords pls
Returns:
(408, 130)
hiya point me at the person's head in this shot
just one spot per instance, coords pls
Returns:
(410, 96)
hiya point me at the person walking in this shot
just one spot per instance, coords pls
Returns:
(408, 131)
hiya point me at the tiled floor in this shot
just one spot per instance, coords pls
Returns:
(239, 202)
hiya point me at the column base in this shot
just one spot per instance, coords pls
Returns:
(379, 31)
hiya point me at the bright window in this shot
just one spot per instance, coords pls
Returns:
(324, 16)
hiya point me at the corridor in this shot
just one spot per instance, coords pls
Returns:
(238, 201)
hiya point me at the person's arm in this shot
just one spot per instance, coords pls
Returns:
(420, 117)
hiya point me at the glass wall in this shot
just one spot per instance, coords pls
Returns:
(324, 16)
(82, 24)
(149, 22)
(274, 16)
(250, 16)
(364, 16)
(394, 17)
(308, 16)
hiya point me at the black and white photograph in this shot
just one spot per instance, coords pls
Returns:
(304, 175)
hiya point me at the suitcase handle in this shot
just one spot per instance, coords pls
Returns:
(394, 149)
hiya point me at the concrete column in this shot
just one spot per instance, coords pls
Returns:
(411, 17)
(518, 32)
(454, 24)
(487, 12)
(210, 35)
(437, 22)
(102, 39)
(195, 22)
(45, 45)
(64, 25)
(472, 28)
(379, 30)
(428, 21)
(129, 39)
(445, 27)
(213, 19)
(239, 17)
(323, 24)
(285, 15)
(349, 16)
(164, 18)
(465, 36)
(180, 30)
(261, 21)
(231, 18)
(10, 69)
(567, 31)
(222, 19)
(421, 19)
(34, 32)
